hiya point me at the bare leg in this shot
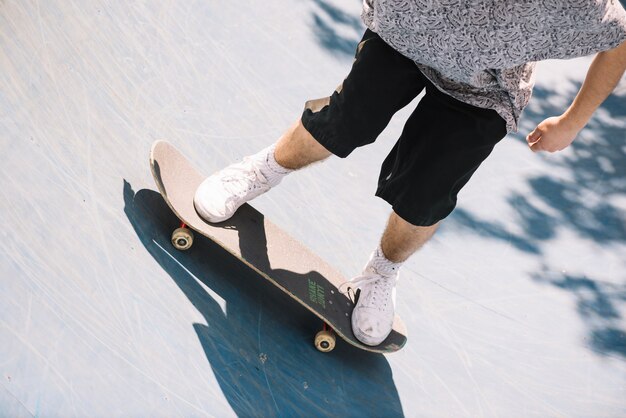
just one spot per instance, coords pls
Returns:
(401, 239)
(297, 148)
(372, 317)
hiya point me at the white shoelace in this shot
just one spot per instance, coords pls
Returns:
(241, 182)
(381, 289)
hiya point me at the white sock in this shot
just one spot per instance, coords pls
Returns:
(270, 168)
(382, 265)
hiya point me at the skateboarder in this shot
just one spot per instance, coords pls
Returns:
(475, 61)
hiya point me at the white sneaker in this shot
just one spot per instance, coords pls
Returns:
(372, 317)
(220, 195)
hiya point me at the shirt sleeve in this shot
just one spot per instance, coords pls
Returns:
(605, 27)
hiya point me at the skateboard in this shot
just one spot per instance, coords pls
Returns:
(267, 249)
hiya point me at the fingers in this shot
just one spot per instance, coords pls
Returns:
(536, 146)
(551, 135)
(545, 145)
(534, 140)
(534, 135)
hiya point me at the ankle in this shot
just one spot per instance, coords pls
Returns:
(382, 265)
(269, 167)
(273, 164)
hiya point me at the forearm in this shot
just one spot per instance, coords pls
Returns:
(557, 133)
(603, 75)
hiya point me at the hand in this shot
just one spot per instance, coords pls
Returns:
(553, 134)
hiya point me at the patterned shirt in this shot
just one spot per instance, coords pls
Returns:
(483, 52)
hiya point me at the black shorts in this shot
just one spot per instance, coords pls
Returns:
(442, 144)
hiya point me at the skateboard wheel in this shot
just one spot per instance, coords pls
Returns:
(325, 341)
(182, 238)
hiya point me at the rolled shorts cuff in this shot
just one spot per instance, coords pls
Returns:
(320, 133)
(411, 215)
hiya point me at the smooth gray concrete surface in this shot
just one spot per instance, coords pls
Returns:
(515, 309)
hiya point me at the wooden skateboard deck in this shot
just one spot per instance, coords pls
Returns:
(267, 249)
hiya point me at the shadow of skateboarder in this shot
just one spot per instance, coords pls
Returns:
(260, 347)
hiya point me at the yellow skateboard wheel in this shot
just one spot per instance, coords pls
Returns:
(325, 341)
(182, 238)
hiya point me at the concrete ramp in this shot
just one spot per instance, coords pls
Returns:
(516, 308)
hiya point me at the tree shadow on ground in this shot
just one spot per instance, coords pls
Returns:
(582, 201)
(336, 30)
(596, 303)
(260, 344)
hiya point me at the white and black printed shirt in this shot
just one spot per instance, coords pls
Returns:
(483, 52)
